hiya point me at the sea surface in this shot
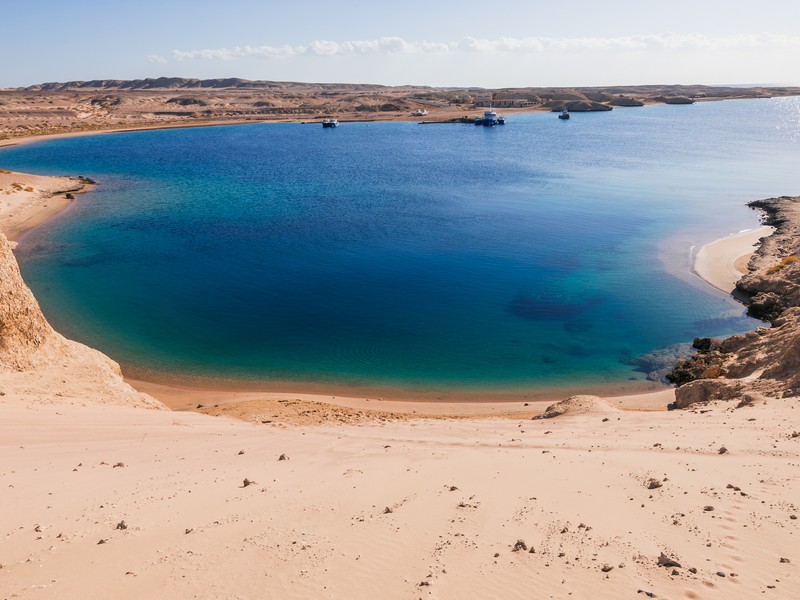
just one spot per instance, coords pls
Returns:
(539, 254)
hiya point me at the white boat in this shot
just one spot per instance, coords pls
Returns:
(328, 123)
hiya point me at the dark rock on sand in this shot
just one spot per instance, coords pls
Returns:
(666, 561)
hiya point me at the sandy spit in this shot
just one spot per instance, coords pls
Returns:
(27, 201)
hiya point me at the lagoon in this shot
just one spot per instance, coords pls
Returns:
(540, 254)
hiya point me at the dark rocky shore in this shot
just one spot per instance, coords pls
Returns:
(763, 363)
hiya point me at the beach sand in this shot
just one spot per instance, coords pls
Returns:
(27, 201)
(722, 262)
(102, 499)
(113, 502)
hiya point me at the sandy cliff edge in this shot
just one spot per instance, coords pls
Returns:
(38, 365)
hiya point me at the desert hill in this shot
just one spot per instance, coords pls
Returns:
(60, 107)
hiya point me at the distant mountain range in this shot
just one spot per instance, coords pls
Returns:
(180, 83)
(229, 83)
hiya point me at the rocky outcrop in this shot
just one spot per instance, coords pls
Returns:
(577, 106)
(626, 101)
(39, 366)
(765, 362)
(674, 99)
(659, 363)
(24, 332)
(577, 405)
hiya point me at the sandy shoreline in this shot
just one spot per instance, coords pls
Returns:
(27, 201)
(183, 398)
(722, 262)
(18, 141)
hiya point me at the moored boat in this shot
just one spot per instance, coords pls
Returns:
(329, 123)
(564, 114)
(489, 118)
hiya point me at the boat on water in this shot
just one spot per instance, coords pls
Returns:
(329, 123)
(564, 114)
(489, 118)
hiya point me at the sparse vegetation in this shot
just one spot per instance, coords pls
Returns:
(783, 264)
(184, 101)
(106, 101)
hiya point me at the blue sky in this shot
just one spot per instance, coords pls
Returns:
(453, 43)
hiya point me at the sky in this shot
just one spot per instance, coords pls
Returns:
(516, 43)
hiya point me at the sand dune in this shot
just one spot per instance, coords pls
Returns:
(578, 405)
(430, 509)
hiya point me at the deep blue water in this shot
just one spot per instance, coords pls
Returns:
(541, 253)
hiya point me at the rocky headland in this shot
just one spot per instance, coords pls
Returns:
(764, 363)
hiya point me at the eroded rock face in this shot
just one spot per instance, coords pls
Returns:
(765, 362)
(23, 328)
(40, 366)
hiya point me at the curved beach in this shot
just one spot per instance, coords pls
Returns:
(723, 262)
(42, 197)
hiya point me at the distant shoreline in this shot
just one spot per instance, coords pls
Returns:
(85, 108)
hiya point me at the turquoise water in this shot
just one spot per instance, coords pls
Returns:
(542, 253)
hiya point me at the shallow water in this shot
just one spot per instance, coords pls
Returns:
(541, 253)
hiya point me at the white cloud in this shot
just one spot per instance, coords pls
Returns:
(155, 58)
(530, 45)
